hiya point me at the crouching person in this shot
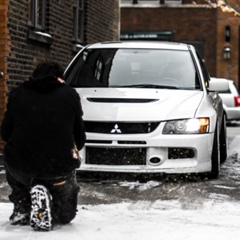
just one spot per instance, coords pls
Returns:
(42, 128)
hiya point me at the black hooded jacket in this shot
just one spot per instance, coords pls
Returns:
(42, 124)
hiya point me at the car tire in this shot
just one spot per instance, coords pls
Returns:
(215, 155)
(223, 141)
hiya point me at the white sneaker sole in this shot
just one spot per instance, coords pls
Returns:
(40, 218)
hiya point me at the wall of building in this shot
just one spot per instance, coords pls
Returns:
(102, 20)
(187, 24)
(228, 68)
(101, 24)
(20, 51)
(4, 52)
(190, 22)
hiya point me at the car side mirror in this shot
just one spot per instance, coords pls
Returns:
(218, 85)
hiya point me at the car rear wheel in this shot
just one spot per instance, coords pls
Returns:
(215, 156)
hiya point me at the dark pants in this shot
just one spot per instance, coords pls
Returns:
(64, 196)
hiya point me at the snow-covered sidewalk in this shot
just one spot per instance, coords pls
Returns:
(140, 220)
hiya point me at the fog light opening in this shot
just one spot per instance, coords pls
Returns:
(155, 160)
(180, 153)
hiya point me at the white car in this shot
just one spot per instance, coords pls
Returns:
(148, 108)
(231, 100)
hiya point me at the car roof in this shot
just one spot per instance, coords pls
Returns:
(140, 44)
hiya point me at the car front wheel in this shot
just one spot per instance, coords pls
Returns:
(223, 141)
(215, 155)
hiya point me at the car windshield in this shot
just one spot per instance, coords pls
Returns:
(133, 68)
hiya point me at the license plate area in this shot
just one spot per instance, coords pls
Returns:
(116, 156)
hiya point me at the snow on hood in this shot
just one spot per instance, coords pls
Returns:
(164, 104)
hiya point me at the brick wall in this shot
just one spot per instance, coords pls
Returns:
(228, 68)
(4, 52)
(190, 22)
(99, 24)
(187, 24)
(20, 52)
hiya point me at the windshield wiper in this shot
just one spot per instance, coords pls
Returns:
(149, 86)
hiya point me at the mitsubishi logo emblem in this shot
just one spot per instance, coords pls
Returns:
(116, 129)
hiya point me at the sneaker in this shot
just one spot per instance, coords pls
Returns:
(18, 218)
(41, 219)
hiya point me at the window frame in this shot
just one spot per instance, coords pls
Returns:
(78, 16)
(173, 1)
(35, 15)
(152, 1)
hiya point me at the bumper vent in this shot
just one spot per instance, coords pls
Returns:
(178, 153)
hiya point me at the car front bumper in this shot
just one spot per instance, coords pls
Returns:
(147, 153)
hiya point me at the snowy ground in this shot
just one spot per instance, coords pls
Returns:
(136, 221)
(218, 217)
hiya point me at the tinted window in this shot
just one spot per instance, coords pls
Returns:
(129, 67)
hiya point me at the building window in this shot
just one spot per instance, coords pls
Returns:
(126, 1)
(78, 13)
(98, 69)
(148, 1)
(151, 1)
(38, 14)
(172, 1)
(37, 22)
(139, 1)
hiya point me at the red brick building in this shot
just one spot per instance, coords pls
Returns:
(32, 31)
(212, 27)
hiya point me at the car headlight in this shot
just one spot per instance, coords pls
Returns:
(187, 126)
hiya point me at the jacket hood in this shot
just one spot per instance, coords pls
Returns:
(44, 84)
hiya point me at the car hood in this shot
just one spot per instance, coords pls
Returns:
(127, 104)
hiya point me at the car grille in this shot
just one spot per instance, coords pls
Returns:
(120, 127)
(116, 156)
